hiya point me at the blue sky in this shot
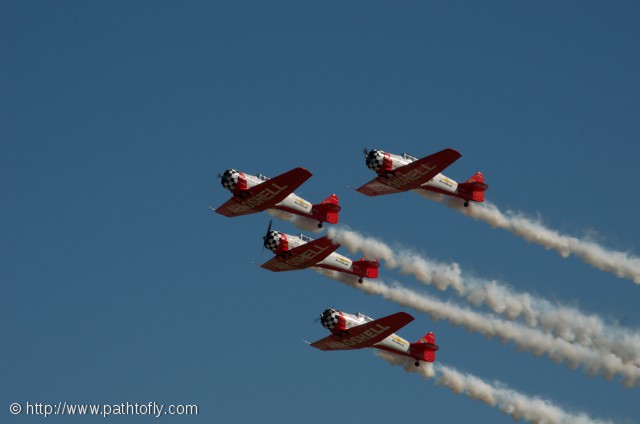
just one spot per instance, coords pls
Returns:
(119, 284)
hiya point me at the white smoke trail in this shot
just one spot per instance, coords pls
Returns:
(531, 340)
(517, 405)
(563, 321)
(622, 264)
(441, 275)
(305, 224)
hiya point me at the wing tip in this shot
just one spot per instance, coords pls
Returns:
(302, 171)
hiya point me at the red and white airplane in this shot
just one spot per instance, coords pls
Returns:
(256, 193)
(358, 331)
(398, 173)
(300, 252)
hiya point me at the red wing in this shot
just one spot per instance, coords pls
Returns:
(376, 188)
(412, 175)
(266, 195)
(276, 265)
(302, 256)
(233, 208)
(365, 335)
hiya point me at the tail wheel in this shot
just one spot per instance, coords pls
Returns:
(359, 280)
(466, 204)
(417, 363)
(319, 224)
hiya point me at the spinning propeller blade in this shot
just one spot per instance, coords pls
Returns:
(264, 238)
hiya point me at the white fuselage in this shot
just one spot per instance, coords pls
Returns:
(334, 261)
(439, 182)
(393, 341)
(292, 202)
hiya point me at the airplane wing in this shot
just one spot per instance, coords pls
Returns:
(303, 256)
(265, 195)
(276, 265)
(412, 175)
(377, 188)
(365, 335)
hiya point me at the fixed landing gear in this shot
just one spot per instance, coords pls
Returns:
(389, 174)
(241, 195)
(319, 224)
(342, 333)
(466, 204)
(359, 280)
(417, 363)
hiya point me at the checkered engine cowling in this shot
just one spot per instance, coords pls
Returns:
(375, 160)
(329, 318)
(230, 179)
(272, 240)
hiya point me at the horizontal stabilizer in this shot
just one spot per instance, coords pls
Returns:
(476, 186)
(325, 208)
(366, 268)
(426, 348)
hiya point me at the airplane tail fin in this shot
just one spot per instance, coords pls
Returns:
(425, 348)
(366, 267)
(475, 187)
(328, 210)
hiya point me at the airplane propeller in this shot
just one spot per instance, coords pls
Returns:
(366, 152)
(264, 238)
